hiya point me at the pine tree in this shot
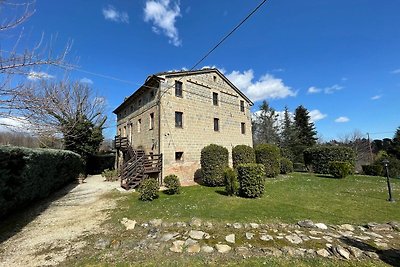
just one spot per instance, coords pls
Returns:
(265, 129)
(306, 135)
(288, 135)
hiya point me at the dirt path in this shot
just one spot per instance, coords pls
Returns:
(52, 236)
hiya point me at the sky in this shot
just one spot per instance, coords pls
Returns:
(339, 59)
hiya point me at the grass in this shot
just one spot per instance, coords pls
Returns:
(355, 199)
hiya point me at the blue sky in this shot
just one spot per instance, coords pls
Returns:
(340, 59)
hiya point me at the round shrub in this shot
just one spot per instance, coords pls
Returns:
(231, 182)
(286, 166)
(269, 156)
(148, 189)
(173, 184)
(340, 169)
(214, 159)
(373, 170)
(243, 154)
(251, 180)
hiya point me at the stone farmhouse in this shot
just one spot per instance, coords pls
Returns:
(162, 127)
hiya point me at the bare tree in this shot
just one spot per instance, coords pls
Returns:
(357, 141)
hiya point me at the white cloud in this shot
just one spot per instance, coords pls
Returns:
(342, 119)
(376, 97)
(267, 85)
(34, 76)
(17, 124)
(332, 89)
(163, 16)
(313, 90)
(86, 81)
(112, 14)
(316, 115)
(395, 71)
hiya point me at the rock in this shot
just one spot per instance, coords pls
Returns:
(321, 226)
(190, 242)
(265, 237)
(343, 252)
(207, 249)
(254, 225)
(180, 224)
(195, 222)
(389, 236)
(271, 251)
(347, 227)
(115, 244)
(323, 253)
(298, 232)
(310, 252)
(144, 225)
(242, 251)
(152, 233)
(395, 225)
(195, 248)
(102, 243)
(381, 227)
(294, 239)
(177, 246)
(315, 237)
(237, 225)
(208, 225)
(230, 238)
(372, 255)
(155, 222)
(306, 224)
(355, 252)
(345, 234)
(374, 234)
(129, 224)
(207, 236)
(292, 252)
(169, 236)
(304, 238)
(196, 234)
(327, 238)
(381, 245)
(249, 236)
(312, 232)
(167, 224)
(221, 248)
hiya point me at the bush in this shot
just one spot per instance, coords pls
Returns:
(340, 169)
(286, 166)
(299, 167)
(251, 180)
(173, 184)
(317, 158)
(231, 182)
(148, 189)
(30, 174)
(214, 159)
(95, 164)
(373, 170)
(243, 154)
(269, 156)
(110, 175)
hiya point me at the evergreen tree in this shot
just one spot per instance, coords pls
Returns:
(288, 135)
(306, 135)
(265, 129)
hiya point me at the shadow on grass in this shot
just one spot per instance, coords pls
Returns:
(14, 222)
(326, 176)
(221, 192)
(389, 256)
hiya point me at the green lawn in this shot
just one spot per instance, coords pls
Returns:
(355, 199)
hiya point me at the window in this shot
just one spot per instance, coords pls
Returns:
(241, 105)
(215, 99)
(215, 78)
(178, 119)
(243, 127)
(178, 88)
(139, 125)
(151, 126)
(178, 156)
(216, 124)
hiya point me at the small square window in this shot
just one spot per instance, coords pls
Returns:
(243, 127)
(151, 126)
(178, 156)
(216, 124)
(215, 78)
(178, 119)
(178, 88)
(215, 99)
(241, 105)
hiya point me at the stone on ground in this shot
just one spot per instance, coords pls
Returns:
(221, 248)
(194, 234)
(230, 238)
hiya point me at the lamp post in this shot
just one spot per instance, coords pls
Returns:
(385, 163)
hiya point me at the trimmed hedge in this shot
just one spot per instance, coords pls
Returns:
(96, 164)
(214, 159)
(286, 166)
(30, 174)
(251, 180)
(231, 182)
(148, 189)
(373, 170)
(172, 184)
(339, 169)
(243, 154)
(269, 156)
(317, 158)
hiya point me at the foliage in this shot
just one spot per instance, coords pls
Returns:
(265, 129)
(148, 189)
(251, 180)
(98, 162)
(286, 165)
(231, 182)
(288, 136)
(393, 165)
(110, 175)
(213, 160)
(373, 169)
(269, 156)
(299, 167)
(340, 169)
(173, 184)
(243, 154)
(317, 158)
(30, 174)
